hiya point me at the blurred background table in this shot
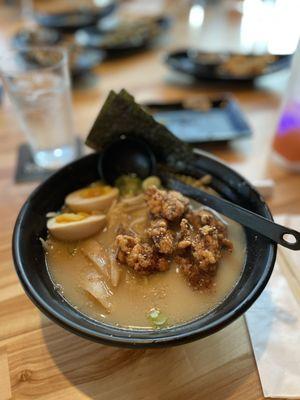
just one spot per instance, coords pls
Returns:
(39, 359)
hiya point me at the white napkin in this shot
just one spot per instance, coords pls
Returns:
(274, 325)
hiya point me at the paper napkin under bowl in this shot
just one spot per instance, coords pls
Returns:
(274, 324)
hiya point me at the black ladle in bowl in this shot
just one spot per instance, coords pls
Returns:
(130, 155)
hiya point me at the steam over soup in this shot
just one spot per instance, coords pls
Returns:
(145, 257)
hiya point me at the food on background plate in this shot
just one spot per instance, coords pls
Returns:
(126, 35)
(245, 65)
(36, 36)
(80, 60)
(234, 64)
(208, 59)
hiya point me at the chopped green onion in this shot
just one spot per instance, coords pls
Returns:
(157, 318)
(129, 185)
(154, 313)
(151, 181)
(44, 244)
(160, 320)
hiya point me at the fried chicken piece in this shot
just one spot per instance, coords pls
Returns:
(227, 245)
(140, 256)
(125, 243)
(185, 235)
(162, 237)
(209, 225)
(197, 278)
(206, 248)
(196, 238)
(200, 218)
(169, 205)
(202, 239)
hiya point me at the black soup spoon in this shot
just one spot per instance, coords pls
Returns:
(130, 155)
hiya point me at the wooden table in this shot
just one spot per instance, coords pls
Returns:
(39, 360)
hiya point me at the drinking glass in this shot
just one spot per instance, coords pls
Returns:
(38, 83)
(286, 143)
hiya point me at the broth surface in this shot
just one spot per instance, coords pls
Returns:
(136, 295)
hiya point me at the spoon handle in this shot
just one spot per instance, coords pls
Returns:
(277, 233)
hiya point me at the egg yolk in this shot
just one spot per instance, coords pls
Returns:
(94, 191)
(71, 217)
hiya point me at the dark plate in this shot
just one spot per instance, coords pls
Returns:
(182, 61)
(70, 21)
(222, 121)
(94, 37)
(30, 262)
(81, 62)
(86, 60)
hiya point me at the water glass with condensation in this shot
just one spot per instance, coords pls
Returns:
(37, 81)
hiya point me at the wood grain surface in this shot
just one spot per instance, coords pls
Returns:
(39, 360)
(5, 387)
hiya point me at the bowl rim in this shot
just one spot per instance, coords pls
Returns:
(137, 338)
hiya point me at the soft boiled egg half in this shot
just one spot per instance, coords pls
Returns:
(97, 197)
(75, 226)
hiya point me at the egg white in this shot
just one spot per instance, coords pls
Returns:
(76, 230)
(98, 203)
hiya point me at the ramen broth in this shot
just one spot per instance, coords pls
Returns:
(136, 295)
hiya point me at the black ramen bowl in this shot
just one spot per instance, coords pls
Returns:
(31, 268)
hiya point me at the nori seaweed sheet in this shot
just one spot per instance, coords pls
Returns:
(122, 116)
